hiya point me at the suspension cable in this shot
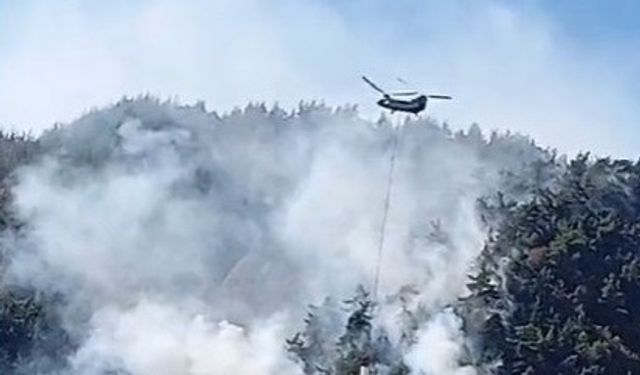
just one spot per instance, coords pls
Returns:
(385, 213)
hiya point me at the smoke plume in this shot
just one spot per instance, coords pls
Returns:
(183, 242)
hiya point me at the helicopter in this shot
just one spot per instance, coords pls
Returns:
(415, 105)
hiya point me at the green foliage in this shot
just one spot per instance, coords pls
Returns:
(315, 346)
(329, 345)
(29, 328)
(559, 285)
(15, 150)
(28, 324)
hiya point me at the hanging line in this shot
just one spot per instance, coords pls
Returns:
(385, 213)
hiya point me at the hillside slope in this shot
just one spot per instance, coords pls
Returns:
(153, 238)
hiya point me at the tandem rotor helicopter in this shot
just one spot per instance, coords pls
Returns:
(414, 105)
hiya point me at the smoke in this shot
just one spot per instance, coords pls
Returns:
(152, 338)
(187, 243)
(439, 347)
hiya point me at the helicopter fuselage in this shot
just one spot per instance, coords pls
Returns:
(414, 106)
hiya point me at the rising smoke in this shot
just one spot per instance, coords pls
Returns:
(186, 243)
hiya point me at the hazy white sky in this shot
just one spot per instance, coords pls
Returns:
(529, 68)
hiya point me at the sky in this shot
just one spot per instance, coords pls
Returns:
(561, 72)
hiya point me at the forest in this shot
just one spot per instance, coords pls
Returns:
(554, 287)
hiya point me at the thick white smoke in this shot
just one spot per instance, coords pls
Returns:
(185, 243)
(152, 338)
(439, 347)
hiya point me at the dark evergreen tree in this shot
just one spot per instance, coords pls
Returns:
(566, 300)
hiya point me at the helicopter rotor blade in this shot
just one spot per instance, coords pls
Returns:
(373, 85)
(439, 97)
(404, 93)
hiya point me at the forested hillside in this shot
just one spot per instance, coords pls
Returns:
(559, 279)
(154, 238)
